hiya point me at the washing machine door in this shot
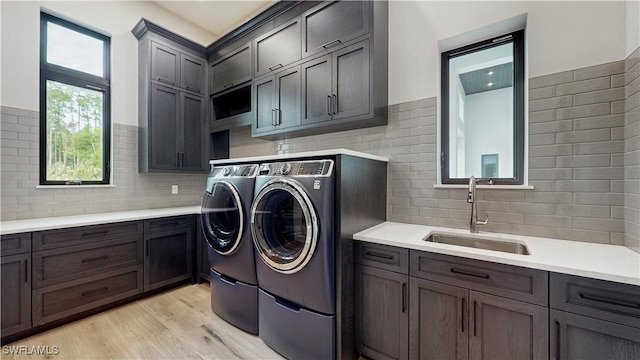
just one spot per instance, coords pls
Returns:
(284, 226)
(222, 217)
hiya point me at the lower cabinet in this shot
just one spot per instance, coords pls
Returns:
(16, 293)
(168, 251)
(202, 254)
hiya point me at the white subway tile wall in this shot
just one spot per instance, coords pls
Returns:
(631, 213)
(20, 199)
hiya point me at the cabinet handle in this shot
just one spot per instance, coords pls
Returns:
(469, 273)
(96, 291)
(104, 257)
(610, 301)
(193, 89)
(331, 43)
(404, 297)
(228, 85)
(146, 248)
(464, 305)
(328, 104)
(379, 255)
(167, 224)
(273, 117)
(26, 271)
(177, 159)
(166, 81)
(475, 318)
(95, 233)
(557, 340)
(335, 104)
(182, 159)
(275, 67)
(278, 117)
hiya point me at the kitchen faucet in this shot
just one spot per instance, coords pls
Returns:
(471, 198)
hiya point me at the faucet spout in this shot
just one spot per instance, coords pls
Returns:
(474, 223)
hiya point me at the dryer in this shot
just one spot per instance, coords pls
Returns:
(225, 226)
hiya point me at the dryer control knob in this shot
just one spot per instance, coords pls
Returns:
(226, 171)
(285, 169)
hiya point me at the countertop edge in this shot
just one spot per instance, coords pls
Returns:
(41, 224)
(299, 155)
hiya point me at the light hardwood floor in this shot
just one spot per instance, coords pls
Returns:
(176, 324)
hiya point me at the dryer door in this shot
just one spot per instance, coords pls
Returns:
(284, 225)
(222, 217)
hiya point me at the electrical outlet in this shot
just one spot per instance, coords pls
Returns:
(174, 189)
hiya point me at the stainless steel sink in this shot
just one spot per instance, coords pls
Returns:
(479, 243)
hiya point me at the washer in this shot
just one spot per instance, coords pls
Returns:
(225, 226)
(292, 224)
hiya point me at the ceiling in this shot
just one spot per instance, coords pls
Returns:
(217, 16)
(490, 78)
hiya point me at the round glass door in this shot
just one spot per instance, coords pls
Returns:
(284, 226)
(222, 217)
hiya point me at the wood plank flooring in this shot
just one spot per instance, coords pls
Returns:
(176, 324)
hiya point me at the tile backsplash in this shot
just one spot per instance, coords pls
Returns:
(583, 160)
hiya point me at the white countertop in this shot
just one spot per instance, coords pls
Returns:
(599, 261)
(18, 226)
(257, 159)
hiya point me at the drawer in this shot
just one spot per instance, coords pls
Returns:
(52, 239)
(600, 299)
(168, 223)
(63, 300)
(59, 265)
(14, 244)
(383, 257)
(508, 281)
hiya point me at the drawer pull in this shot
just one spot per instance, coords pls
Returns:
(161, 79)
(557, 340)
(96, 291)
(95, 233)
(228, 85)
(404, 297)
(463, 310)
(26, 271)
(193, 89)
(169, 224)
(104, 257)
(610, 301)
(275, 67)
(379, 255)
(475, 318)
(469, 273)
(331, 43)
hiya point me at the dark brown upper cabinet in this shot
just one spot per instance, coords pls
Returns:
(277, 48)
(277, 101)
(192, 71)
(165, 64)
(333, 24)
(232, 70)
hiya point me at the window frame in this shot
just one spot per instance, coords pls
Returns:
(517, 38)
(68, 76)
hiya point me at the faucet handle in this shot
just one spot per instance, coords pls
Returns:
(483, 222)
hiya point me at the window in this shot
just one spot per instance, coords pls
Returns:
(74, 104)
(483, 111)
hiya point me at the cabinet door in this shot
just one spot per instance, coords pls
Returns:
(165, 64)
(382, 313)
(351, 79)
(232, 70)
(316, 90)
(192, 78)
(163, 128)
(264, 114)
(16, 293)
(167, 258)
(580, 337)
(507, 329)
(333, 24)
(202, 256)
(287, 103)
(439, 326)
(194, 146)
(277, 48)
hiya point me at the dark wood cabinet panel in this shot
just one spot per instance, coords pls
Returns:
(576, 337)
(13, 244)
(165, 64)
(278, 48)
(202, 255)
(264, 93)
(168, 255)
(277, 101)
(165, 112)
(193, 144)
(316, 90)
(16, 293)
(382, 256)
(382, 313)
(333, 24)
(52, 239)
(234, 69)
(439, 325)
(192, 73)
(502, 328)
(351, 81)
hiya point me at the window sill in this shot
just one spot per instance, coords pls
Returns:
(491, 187)
(73, 186)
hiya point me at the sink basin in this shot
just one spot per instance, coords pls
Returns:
(479, 243)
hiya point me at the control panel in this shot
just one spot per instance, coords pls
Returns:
(297, 168)
(220, 172)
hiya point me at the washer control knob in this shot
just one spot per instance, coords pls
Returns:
(285, 169)
(226, 171)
